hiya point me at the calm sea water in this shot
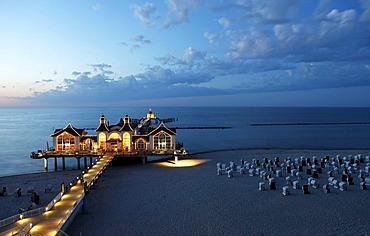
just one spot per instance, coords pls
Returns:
(23, 130)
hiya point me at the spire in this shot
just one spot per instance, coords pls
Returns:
(102, 125)
(150, 114)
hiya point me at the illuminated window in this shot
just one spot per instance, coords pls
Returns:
(162, 141)
(141, 145)
(102, 137)
(114, 137)
(102, 140)
(126, 139)
(66, 142)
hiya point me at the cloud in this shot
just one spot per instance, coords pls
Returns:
(134, 46)
(96, 7)
(155, 82)
(178, 11)
(267, 11)
(224, 22)
(252, 43)
(365, 17)
(101, 68)
(261, 46)
(190, 58)
(344, 17)
(44, 81)
(141, 39)
(145, 13)
(212, 37)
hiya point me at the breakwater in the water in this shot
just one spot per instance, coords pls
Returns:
(311, 123)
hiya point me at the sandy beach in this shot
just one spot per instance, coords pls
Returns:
(38, 182)
(157, 199)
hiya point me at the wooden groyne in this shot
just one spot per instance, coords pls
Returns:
(204, 127)
(310, 123)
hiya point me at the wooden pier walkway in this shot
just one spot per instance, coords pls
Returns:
(51, 221)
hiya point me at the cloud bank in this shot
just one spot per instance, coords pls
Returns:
(260, 45)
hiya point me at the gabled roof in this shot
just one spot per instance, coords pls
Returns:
(69, 129)
(126, 127)
(164, 128)
(102, 127)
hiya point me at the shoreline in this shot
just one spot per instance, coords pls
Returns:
(73, 168)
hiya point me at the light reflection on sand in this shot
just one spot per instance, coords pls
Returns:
(183, 163)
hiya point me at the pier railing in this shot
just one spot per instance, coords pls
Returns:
(21, 216)
(31, 213)
(57, 198)
(69, 212)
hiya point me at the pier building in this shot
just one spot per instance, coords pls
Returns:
(146, 135)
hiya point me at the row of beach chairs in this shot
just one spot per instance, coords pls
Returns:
(313, 167)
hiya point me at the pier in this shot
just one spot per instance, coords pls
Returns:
(58, 214)
(46, 155)
(127, 140)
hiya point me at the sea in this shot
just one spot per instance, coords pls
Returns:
(200, 129)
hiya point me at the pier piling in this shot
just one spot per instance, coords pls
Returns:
(78, 163)
(85, 162)
(46, 167)
(55, 163)
(64, 163)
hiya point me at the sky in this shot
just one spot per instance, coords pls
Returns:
(185, 53)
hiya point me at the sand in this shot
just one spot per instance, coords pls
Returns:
(156, 199)
(159, 200)
(39, 182)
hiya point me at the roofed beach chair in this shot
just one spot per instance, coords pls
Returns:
(242, 171)
(299, 176)
(305, 189)
(261, 186)
(343, 186)
(247, 165)
(272, 184)
(258, 170)
(296, 184)
(288, 181)
(31, 189)
(262, 174)
(286, 191)
(4, 191)
(18, 192)
(363, 186)
(335, 183)
(230, 173)
(326, 188)
(49, 188)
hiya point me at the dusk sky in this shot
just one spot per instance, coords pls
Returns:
(185, 52)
